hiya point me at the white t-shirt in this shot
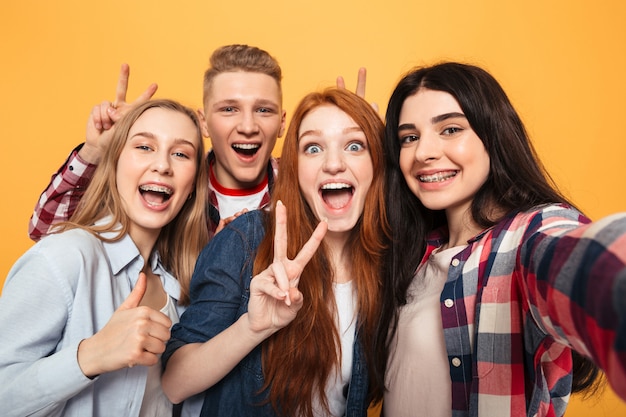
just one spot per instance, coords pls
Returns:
(231, 201)
(155, 402)
(338, 381)
(418, 374)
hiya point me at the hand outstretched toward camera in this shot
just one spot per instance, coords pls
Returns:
(274, 296)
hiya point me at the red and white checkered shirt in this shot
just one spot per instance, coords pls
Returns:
(519, 297)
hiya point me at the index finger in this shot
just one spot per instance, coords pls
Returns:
(122, 85)
(310, 247)
(360, 83)
(280, 234)
(341, 82)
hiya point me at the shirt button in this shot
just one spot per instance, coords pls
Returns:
(456, 362)
(71, 168)
(455, 262)
(448, 302)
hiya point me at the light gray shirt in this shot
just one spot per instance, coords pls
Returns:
(61, 291)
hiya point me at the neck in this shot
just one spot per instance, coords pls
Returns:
(145, 241)
(337, 250)
(461, 227)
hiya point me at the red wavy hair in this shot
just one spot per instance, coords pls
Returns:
(298, 359)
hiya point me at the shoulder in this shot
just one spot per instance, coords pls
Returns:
(242, 236)
(249, 226)
(60, 258)
(65, 245)
(541, 218)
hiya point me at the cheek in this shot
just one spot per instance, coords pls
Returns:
(306, 181)
(405, 161)
(189, 177)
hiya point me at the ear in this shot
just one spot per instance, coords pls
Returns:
(283, 120)
(203, 125)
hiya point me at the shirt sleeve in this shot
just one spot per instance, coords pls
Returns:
(58, 202)
(220, 287)
(574, 276)
(38, 372)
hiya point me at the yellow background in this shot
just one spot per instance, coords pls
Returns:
(562, 63)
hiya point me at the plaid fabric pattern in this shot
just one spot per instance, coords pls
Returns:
(59, 201)
(519, 297)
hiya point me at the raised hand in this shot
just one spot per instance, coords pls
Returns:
(133, 336)
(274, 296)
(104, 115)
(360, 85)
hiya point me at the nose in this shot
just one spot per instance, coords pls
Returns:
(162, 163)
(334, 161)
(428, 148)
(247, 123)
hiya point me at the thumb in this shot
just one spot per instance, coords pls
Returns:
(135, 296)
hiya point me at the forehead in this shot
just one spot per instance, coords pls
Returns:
(165, 123)
(240, 85)
(327, 119)
(428, 103)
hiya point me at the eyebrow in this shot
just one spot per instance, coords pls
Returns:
(434, 120)
(317, 132)
(234, 101)
(151, 135)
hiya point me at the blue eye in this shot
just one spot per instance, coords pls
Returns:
(355, 147)
(312, 149)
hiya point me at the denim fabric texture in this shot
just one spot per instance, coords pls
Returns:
(220, 290)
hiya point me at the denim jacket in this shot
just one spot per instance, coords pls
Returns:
(220, 290)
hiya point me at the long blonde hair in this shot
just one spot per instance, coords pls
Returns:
(181, 240)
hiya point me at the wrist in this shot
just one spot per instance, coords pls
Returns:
(85, 363)
(90, 153)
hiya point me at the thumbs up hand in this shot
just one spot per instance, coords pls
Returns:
(134, 335)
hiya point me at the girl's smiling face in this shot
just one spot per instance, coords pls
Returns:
(335, 168)
(156, 169)
(443, 161)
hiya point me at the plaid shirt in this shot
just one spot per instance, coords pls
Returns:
(508, 346)
(67, 186)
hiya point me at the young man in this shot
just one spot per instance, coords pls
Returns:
(242, 115)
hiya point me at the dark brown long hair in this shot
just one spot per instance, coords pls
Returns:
(311, 342)
(517, 181)
(181, 240)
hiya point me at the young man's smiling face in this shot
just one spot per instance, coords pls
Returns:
(244, 117)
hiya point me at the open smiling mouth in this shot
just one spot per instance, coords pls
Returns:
(337, 195)
(247, 149)
(155, 195)
(438, 177)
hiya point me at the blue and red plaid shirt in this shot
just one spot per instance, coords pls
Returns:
(520, 296)
(67, 186)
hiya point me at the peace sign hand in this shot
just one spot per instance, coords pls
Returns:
(104, 116)
(274, 296)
